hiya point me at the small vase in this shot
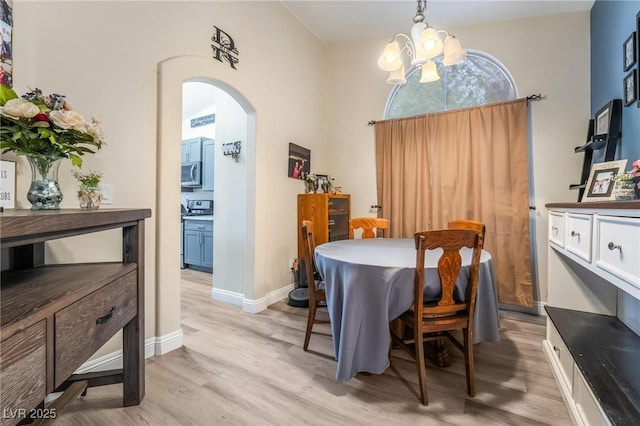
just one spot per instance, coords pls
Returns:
(44, 192)
(636, 182)
(90, 197)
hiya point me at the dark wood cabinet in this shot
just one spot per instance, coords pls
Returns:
(330, 215)
(54, 317)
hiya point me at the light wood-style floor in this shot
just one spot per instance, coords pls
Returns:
(250, 369)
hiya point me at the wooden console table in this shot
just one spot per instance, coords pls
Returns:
(54, 317)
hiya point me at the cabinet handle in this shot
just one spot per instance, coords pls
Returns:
(107, 317)
(575, 234)
(554, 229)
(613, 246)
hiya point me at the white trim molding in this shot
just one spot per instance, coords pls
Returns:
(248, 305)
(152, 346)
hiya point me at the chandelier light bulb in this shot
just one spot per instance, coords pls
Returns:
(430, 44)
(429, 72)
(453, 52)
(423, 45)
(390, 59)
(397, 76)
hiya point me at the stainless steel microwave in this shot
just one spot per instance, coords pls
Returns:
(192, 174)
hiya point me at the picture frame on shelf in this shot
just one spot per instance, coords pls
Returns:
(638, 52)
(630, 88)
(600, 183)
(603, 120)
(629, 52)
(7, 184)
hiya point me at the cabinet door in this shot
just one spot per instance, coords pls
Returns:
(192, 245)
(338, 219)
(184, 150)
(208, 160)
(207, 249)
(195, 150)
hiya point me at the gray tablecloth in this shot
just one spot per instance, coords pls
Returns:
(369, 282)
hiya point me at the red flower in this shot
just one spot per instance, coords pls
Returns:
(41, 120)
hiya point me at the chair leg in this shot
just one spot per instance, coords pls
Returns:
(310, 320)
(468, 361)
(422, 373)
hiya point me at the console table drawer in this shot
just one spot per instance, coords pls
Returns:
(618, 247)
(561, 353)
(578, 235)
(83, 327)
(23, 371)
(556, 228)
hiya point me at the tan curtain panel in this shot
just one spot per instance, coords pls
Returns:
(463, 164)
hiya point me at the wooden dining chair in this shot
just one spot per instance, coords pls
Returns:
(474, 225)
(317, 296)
(369, 226)
(435, 320)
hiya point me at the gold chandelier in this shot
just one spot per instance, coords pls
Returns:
(425, 44)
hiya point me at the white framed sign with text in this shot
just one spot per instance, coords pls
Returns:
(7, 184)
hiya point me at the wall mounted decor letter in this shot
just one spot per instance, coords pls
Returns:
(224, 48)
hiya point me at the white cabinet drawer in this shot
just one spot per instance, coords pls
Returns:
(617, 248)
(556, 228)
(578, 235)
(561, 353)
(587, 406)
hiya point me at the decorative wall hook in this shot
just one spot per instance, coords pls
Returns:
(232, 149)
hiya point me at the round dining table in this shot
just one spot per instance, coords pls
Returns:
(369, 282)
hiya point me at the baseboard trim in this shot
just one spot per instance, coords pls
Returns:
(152, 346)
(536, 309)
(249, 305)
(255, 306)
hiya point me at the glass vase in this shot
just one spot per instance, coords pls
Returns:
(90, 197)
(44, 192)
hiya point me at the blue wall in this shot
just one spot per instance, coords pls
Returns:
(611, 24)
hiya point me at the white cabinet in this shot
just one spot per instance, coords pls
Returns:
(617, 247)
(593, 281)
(556, 228)
(578, 235)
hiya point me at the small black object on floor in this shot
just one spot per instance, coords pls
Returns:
(299, 297)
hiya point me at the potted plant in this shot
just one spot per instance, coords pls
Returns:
(90, 193)
(45, 130)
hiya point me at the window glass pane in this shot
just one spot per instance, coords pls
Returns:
(476, 81)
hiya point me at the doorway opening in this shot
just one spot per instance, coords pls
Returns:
(234, 193)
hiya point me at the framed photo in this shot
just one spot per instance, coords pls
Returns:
(603, 120)
(7, 184)
(630, 88)
(321, 181)
(299, 161)
(6, 54)
(638, 50)
(600, 184)
(629, 51)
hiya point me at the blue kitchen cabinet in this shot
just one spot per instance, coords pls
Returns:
(192, 150)
(208, 161)
(198, 244)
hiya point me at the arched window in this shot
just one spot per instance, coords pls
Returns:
(478, 80)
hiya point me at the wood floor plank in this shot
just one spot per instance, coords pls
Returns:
(237, 368)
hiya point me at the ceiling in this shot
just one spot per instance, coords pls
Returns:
(334, 21)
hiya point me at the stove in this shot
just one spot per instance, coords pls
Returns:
(199, 208)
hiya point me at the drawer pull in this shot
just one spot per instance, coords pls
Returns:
(575, 234)
(613, 246)
(554, 229)
(107, 317)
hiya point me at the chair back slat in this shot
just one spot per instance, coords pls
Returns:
(309, 248)
(369, 226)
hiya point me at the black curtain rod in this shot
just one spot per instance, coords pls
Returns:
(538, 97)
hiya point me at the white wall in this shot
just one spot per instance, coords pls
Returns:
(105, 57)
(547, 55)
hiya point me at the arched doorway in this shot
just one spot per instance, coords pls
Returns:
(235, 273)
